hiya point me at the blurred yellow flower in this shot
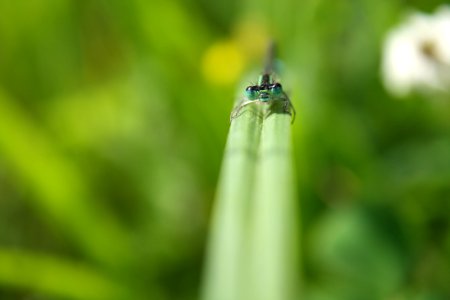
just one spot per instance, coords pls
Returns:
(225, 60)
(223, 63)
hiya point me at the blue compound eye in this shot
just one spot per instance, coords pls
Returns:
(251, 92)
(276, 89)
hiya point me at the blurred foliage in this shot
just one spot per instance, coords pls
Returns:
(113, 119)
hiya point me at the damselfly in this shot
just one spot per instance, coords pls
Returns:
(268, 92)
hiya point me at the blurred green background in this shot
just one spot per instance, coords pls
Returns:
(113, 120)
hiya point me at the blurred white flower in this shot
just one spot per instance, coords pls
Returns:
(416, 54)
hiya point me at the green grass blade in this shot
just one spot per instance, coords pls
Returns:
(55, 276)
(59, 190)
(273, 228)
(225, 250)
(252, 250)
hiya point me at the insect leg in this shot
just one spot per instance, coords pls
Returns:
(239, 107)
(293, 111)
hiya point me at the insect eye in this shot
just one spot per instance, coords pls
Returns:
(276, 88)
(251, 92)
